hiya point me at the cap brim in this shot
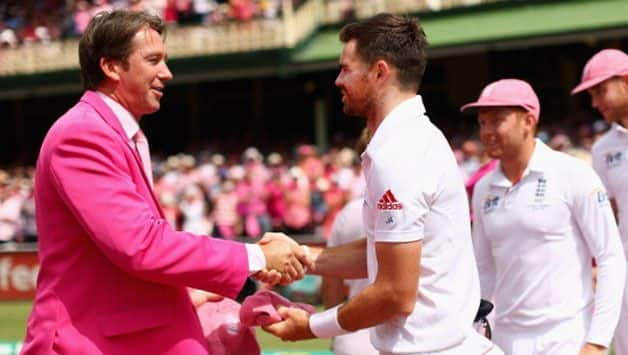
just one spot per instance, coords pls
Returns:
(589, 84)
(479, 104)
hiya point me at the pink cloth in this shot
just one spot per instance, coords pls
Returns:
(261, 308)
(223, 330)
(114, 274)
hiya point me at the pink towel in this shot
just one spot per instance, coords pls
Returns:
(224, 332)
(261, 308)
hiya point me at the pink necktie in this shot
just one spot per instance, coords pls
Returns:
(141, 145)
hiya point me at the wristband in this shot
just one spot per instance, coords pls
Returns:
(325, 324)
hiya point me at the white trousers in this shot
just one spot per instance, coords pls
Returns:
(621, 332)
(354, 343)
(474, 344)
(566, 338)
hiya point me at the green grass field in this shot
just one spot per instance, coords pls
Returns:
(13, 323)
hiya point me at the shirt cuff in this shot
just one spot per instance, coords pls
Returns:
(257, 260)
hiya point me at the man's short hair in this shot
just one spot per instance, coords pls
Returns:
(110, 35)
(398, 40)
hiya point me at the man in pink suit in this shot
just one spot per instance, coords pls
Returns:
(114, 275)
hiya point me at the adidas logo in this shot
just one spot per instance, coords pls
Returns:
(388, 202)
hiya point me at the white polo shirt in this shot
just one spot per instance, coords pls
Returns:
(414, 192)
(610, 161)
(534, 242)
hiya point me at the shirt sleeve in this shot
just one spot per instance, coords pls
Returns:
(482, 249)
(397, 196)
(594, 216)
(598, 162)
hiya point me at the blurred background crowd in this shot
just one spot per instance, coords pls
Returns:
(32, 21)
(248, 193)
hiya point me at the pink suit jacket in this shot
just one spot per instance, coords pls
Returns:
(113, 273)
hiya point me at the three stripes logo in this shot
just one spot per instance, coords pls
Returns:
(388, 202)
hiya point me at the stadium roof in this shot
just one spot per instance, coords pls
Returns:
(501, 26)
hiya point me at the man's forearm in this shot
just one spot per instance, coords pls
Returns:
(371, 307)
(345, 261)
(332, 291)
(394, 291)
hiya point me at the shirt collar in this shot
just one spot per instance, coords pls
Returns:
(411, 108)
(129, 124)
(619, 129)
(539, 163)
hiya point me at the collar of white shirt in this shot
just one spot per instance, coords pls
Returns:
(129, 124)
(621, 131)
(538, 164)
(411, 108)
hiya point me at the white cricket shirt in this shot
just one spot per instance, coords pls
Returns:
(414, 192)
(610, 161)
(534, 242)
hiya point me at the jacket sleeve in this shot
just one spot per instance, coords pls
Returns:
(92, 175)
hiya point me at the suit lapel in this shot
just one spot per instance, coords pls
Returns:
(92, 98)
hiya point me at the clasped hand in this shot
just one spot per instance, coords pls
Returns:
(286, 260)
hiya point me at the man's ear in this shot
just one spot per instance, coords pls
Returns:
(624, 80)
(382, 70)
(530, 121)
(111, 68)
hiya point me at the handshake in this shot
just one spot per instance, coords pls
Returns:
(286, 260)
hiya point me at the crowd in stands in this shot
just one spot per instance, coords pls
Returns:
(225, 197)
(24, 22)
(245, 195)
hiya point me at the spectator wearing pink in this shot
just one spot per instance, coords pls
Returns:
(310, 163)
(27, 216)
(10, 206)
(242, 10)
(81, 16)
(226, 216)
(276, 203)
(171, 14)
(298, 210)
(253, 194)
(335, 198)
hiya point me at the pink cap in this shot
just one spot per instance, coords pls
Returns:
(606, 64)
(508, 92)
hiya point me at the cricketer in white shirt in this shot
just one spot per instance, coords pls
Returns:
(534, 242)
(414, 192)
(610, 161)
